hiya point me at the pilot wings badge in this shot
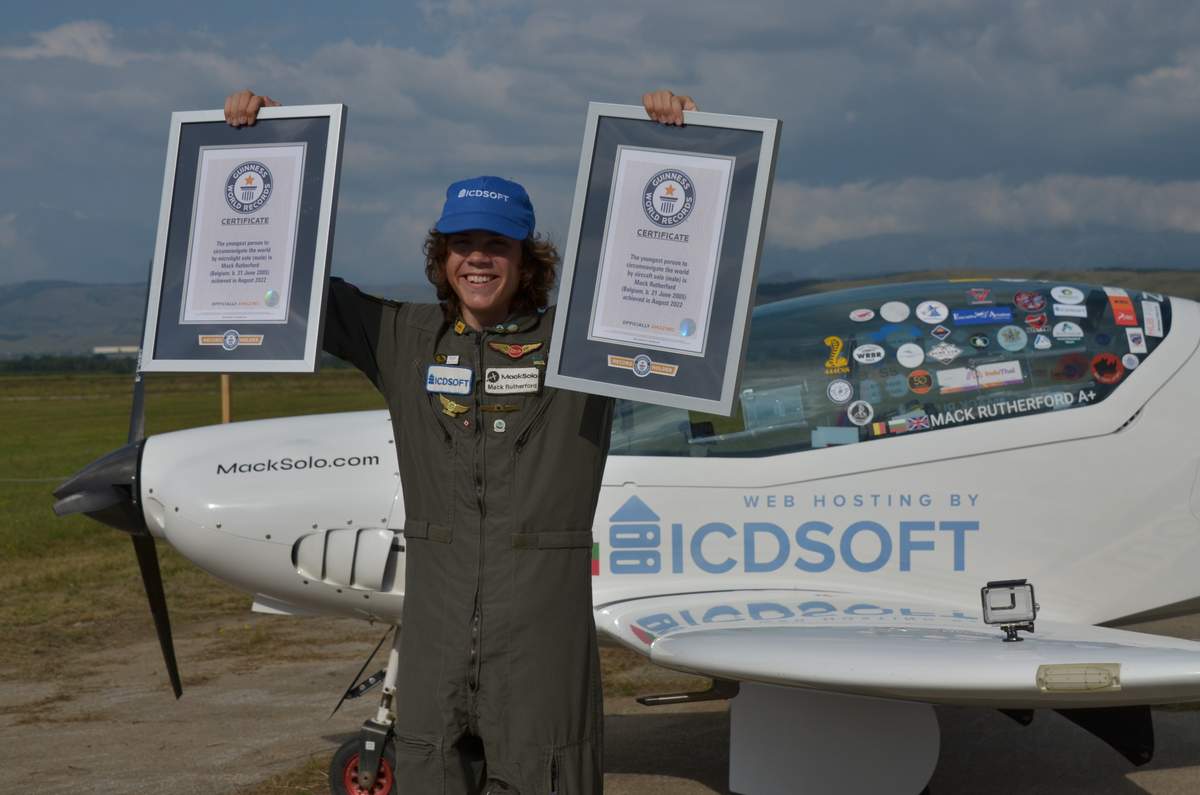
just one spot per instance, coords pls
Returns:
(450, 408)
(514, 350)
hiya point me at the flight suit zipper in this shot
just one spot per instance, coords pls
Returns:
(533, 424)
(481, 498)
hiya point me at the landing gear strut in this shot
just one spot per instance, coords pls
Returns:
(363, 765)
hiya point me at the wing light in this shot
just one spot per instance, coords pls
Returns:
(1079, 677)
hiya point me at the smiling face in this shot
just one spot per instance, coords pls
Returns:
(484, 270)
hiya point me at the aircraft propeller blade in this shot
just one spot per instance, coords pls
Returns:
(147, 557)
(107, 490)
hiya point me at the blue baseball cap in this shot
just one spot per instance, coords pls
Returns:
(491, 203)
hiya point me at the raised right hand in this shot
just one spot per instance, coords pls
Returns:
(241, 107)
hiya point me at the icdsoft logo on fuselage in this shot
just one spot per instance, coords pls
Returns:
(641, 542)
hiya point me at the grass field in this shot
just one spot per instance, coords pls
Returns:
(72, 583)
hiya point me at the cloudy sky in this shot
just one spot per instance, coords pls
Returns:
(917, 133)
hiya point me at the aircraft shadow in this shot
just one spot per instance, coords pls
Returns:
(983, 753)
(986, 753)
(686, 745)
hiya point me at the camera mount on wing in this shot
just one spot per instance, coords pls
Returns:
(1011, 604)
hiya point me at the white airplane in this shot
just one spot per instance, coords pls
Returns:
(825, 555)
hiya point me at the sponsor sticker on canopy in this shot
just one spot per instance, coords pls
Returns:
(1123, 312)
(910, 354)
(1037, 322)
(944, 352)
(1030, 301)
(1067, 295)
(868, 354)
(981, 315)
(862, 315)
(1152, 318)
(869, 391)
(999, 374)
(1070, 310)
(1070, 367)
(1137, 340)
(1107, 368)
(860, 412)
(894, 311)
(932, 311)
(1067, 332)
(1012, 338)
(837, 363)
(896, 386)
(839, 391)
(960, 379)
(920, 381)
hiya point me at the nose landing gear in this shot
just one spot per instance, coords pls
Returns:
(343, 771)
(363, 765)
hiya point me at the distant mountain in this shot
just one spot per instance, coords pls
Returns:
(68, 317)
(1181, 283)
(73, 317)
(1085, 248)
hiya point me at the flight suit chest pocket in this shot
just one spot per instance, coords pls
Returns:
(553, 539)
(416, 528)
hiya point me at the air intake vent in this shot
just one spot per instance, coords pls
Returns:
(347, 558)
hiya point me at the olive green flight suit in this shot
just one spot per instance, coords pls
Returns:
(498, 640)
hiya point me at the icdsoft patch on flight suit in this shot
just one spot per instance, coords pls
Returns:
(500, 482)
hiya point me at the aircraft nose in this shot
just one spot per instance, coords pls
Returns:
(107, 491)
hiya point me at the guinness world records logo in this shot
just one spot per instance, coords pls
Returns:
(668, 198)
(248, 187)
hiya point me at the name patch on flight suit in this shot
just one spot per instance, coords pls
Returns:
(511, 380)
(450, 380)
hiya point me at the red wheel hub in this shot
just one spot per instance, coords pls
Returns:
(383, 781)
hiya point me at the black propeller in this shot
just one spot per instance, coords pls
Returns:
(107, 490)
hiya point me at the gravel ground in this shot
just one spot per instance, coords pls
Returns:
(246, 717)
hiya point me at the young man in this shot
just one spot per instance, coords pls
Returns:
(501, 476)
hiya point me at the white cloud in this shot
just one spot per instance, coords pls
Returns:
(805, 217)
(85, 40)
(920, 116)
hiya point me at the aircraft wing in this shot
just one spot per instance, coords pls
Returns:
(891, 647)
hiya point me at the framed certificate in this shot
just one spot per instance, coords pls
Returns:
(660, 264)
(245, 231)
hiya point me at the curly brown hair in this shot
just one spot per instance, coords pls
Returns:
(539, 271)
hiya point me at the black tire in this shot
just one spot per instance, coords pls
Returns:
(343, 771)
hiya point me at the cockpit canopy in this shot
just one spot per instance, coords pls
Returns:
(877, 362)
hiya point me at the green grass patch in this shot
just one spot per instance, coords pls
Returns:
(71, 584)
